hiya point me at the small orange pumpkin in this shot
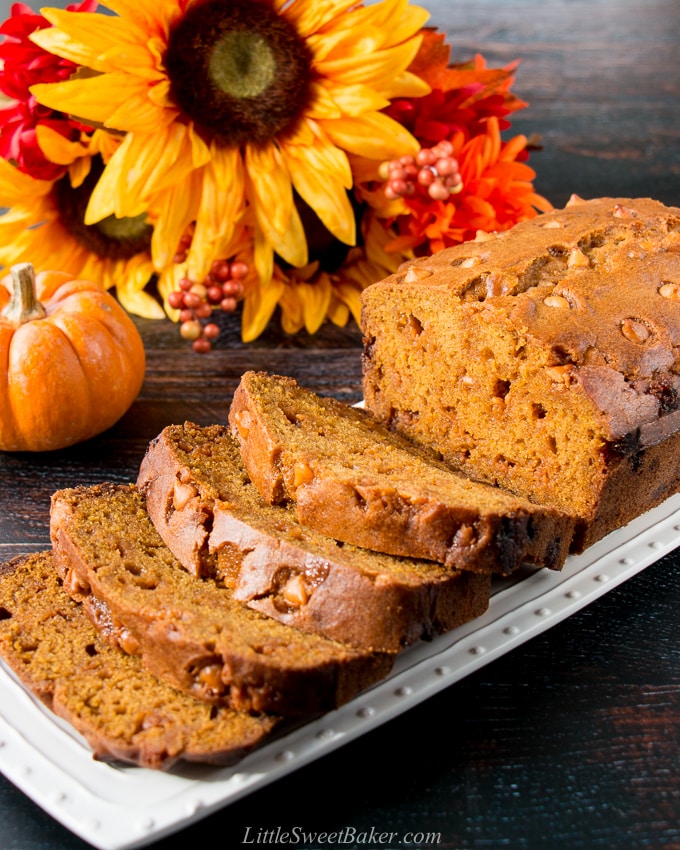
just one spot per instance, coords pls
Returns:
(71, 360)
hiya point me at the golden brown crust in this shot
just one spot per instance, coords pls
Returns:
(288, 572)
(543, 359)
(350, 478)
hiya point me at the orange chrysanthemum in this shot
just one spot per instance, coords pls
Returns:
(497, 192)
(468, 107)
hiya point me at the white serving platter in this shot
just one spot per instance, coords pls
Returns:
(115, 807)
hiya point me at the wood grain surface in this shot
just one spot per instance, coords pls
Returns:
(571, 741)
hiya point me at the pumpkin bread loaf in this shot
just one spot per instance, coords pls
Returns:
(123, 712)
(544, 359)
(190, 632)
(351, 478)
(211, 516)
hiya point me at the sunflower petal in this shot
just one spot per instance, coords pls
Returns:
(322, 103)
(397, 19)
(138, 302)
(133, 58)
(177, 208)
(60, 44)
(354, 100)
(148, 15)
(142, 167)
(292, 246)
(263, 257)
(270, 191)
(338, 313)
(311, 17)
(58, 148)
(315, 298)
(405, 85)
(270, 185)
(375, 135)
(324, 194)
(19, 189)
(96, 99)
(90, 32)
(79, 170)
(376, 68)
(221, 205)
(323, 155)
(350, 295)
(139, 114)
(258, 308)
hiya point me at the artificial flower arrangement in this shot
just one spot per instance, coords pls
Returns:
(204, 155)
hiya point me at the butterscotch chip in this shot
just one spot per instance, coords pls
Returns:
(556, 301)
(671, 291)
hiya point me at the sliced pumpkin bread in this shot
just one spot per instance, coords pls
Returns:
(122, 711)
(349, 477)
(190, 632)
(204, 506)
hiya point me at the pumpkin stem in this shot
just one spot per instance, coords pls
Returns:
(23, 306)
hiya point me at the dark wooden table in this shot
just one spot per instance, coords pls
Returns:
(570, 741)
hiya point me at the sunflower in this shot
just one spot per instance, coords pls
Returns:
(44, 223)
(237, 114)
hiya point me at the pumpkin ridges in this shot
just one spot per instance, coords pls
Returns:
(47, 283)
(108, 376)
(35, 383)
(114, 318)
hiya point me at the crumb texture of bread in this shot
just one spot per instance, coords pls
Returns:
(209, 513)
(190, 631)
(123, 712)
(352, 479)
(544, 359)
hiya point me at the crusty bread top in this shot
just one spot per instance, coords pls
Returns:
(595, 286)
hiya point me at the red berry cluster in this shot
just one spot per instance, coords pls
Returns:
(195, 300)
(434, 169)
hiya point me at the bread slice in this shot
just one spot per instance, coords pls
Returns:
(122, 711)
(351, 478)
(190, 632)
(204, 506)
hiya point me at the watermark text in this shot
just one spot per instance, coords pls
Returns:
(345, 836)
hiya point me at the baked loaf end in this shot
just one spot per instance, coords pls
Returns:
(190, 632)
(543, 359)
(197, 490)
(351, 478)
(123, 712)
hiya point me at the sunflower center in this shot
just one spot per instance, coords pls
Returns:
(239, 71)
(112, 238)
(242, 65)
